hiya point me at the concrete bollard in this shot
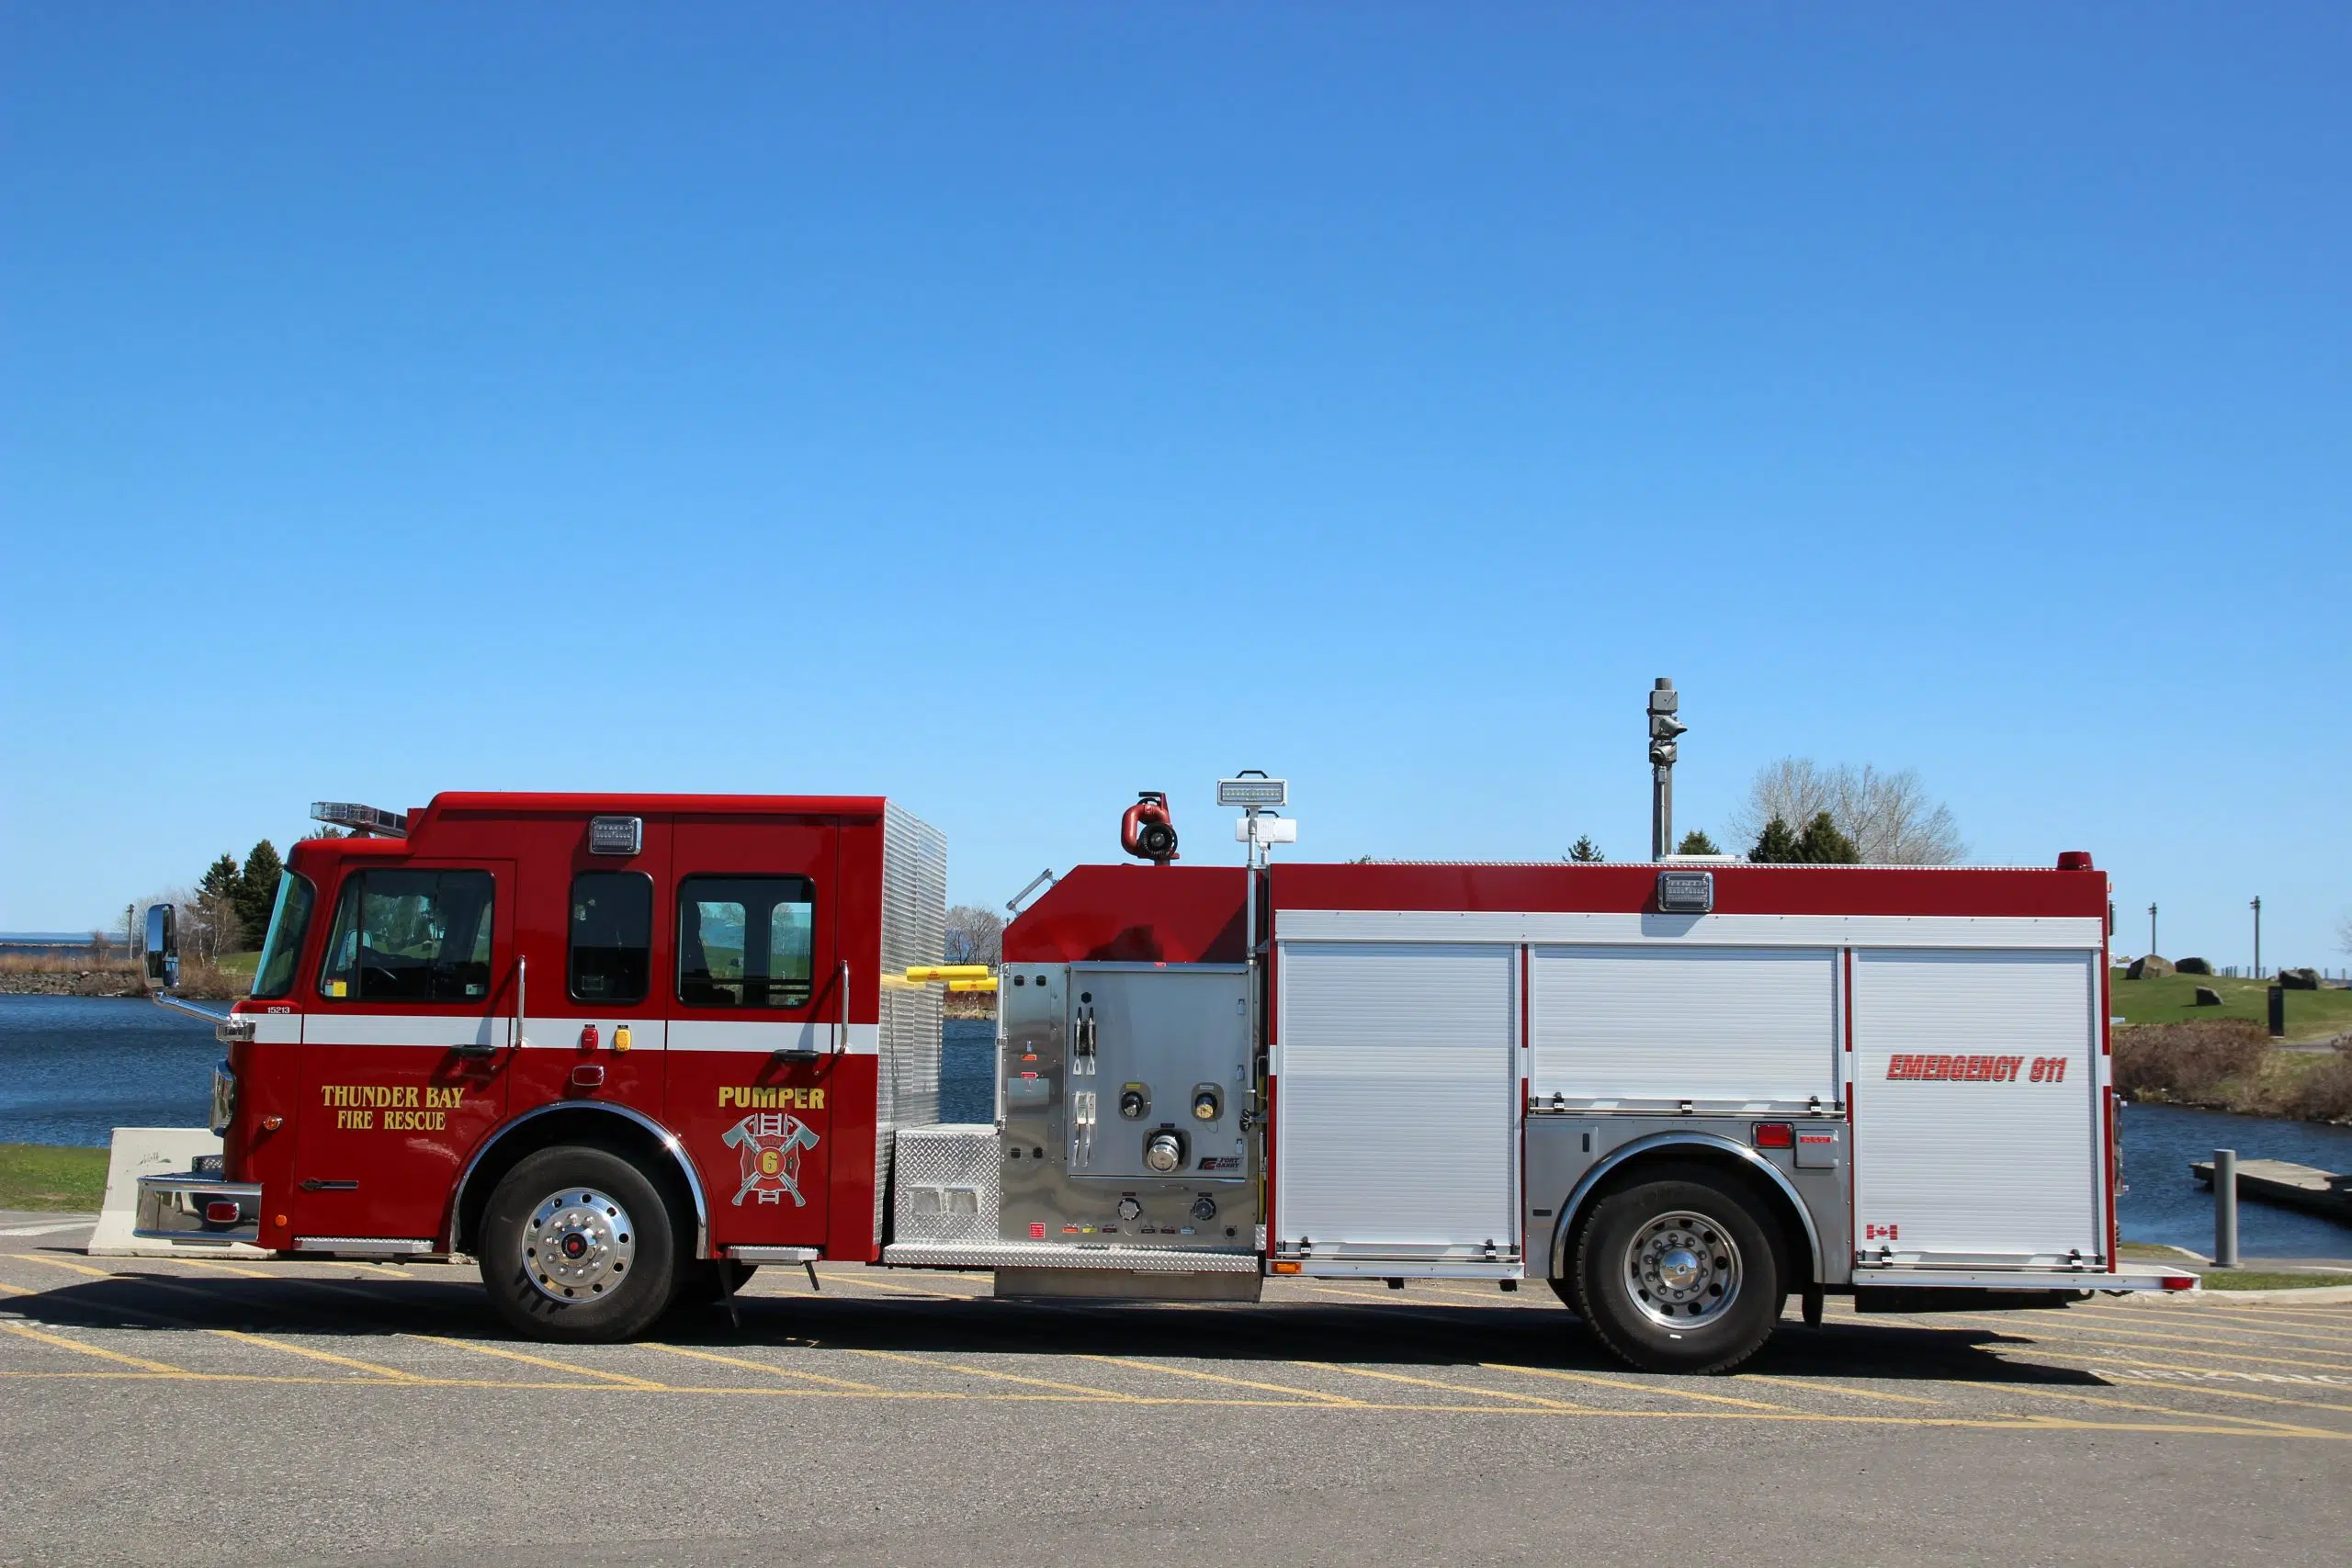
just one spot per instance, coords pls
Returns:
(2226, 1208)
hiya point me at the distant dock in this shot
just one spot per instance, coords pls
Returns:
(2303, 1187)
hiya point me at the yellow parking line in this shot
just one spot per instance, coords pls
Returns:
(391, 1373)
(898, 1290)
(230, 1268)
(2171, 1345)
(2151, 1409)
(1103, 1393)
(1235, 1383)
(61, 1263)
(1834, 1388)
(760, 1366)
(370, 1367)
(1454, 1387)
(2204, 1388)
(2291, 1331)
(1647, 1388)
(621, 1377)
(64, 1344)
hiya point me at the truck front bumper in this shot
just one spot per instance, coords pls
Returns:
(187, 1206)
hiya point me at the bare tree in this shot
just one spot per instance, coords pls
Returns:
(2344, 933)
(1889, 816)
(975, 935)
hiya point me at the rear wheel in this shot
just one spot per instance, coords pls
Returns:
(1677, 1275)
(578, 1244)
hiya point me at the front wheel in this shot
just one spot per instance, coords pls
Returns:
(1677, 1275)
(578, 1244)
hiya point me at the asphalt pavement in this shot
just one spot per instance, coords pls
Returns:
(191, 1412)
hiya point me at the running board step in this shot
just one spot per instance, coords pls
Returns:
(2023, 1279)
(1048, 1255)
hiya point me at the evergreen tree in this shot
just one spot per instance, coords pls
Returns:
(1777, 845)
(258, 891)
(1584, 852)
(1823, 845)
(1696, 843)
(218, 920)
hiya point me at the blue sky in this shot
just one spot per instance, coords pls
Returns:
(1009, 409)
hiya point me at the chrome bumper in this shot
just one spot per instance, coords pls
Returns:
(183, 1206)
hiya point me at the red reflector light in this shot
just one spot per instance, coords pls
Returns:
(222, 1213)
(1773, 1136)
(2180, 1281)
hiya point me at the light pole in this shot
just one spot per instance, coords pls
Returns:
(2151, 928)
(1664, 728)
(2257, 908)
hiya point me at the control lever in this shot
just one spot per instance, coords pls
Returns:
(1081, 1106)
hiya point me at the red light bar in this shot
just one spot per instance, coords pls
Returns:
(221, 1211)
(1773, 1136)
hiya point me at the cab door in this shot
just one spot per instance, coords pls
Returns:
(754, 997)
(599, 1010)
(404, 1050)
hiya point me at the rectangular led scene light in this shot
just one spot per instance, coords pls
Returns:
(1253, 792)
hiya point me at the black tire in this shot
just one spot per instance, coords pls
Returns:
(632, 1253)
(1677, 1274)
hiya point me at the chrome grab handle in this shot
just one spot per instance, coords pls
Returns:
(522, 992)
(841, 1040)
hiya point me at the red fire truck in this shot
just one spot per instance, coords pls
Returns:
(621, 1049)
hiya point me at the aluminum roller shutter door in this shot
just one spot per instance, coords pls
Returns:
(1658, 1023)
(1398, 1097)
(1976, 1162)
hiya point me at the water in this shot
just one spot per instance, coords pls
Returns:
(967, 1069)
(2161, 1202)
(73, 1068)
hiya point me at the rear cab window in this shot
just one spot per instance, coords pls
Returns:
(611, 944)
(410, 936)
(745, 942)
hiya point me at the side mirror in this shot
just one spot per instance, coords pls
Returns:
(162, 946)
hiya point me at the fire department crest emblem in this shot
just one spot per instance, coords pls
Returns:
(770, 1143)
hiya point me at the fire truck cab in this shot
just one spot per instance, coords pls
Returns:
(620, 1049)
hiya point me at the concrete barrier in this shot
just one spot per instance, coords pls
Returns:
(154, 1151)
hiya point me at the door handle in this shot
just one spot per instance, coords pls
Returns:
(841, 1040)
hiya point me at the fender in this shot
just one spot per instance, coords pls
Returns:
(662, 1135)
(1714, 1142)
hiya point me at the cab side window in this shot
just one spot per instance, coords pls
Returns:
(745, 942)
(612, 937)
(410, 936)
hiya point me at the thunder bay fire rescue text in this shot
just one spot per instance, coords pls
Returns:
(622, 1049)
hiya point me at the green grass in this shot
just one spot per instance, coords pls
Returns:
(2256, 1279)
(240, 964)
(38, 1176)
(2311, 1015)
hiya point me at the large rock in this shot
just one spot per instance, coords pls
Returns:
(2193, 967)
(2206, 997)
(2299, 980)
(2148, 968)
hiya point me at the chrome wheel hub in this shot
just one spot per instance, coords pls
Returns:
(1683, 1270)
(578, 1244)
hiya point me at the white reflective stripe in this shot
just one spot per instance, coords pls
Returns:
(727, 1034)
(444, 1030)
(274, 1028)
(563, 1033)
(2069, 932)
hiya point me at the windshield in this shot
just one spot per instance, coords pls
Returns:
(289, 922)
